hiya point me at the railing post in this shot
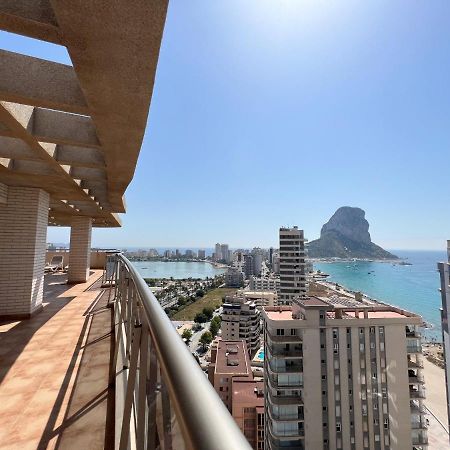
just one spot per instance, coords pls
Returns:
(125, 432)
(142, 393)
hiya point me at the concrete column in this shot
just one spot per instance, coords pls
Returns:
(80, 249)
(23, 234)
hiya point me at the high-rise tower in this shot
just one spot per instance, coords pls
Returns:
(292, 266)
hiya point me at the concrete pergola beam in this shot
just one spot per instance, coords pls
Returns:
(64, 128)
(30, 18)
(79, 156)
(86, 122)
(37, 82)
(15, 149)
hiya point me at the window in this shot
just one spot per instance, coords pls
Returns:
(280, 331)
(372, 345)
(364, 410)
(386, 423)
(336, 363)
(338, 426)
(382, 346)
(293, 333)
(324, 408)
(381, 329)
(338, 411)
(377, 438)
(372, 330)
(361, 346)
(376, 422)
(324, 377)
(336, 379)
(322, 315)
(384, 392)
(361, 331)
(335, 333)
(348, 330)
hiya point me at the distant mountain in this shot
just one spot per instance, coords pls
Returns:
(346, 235)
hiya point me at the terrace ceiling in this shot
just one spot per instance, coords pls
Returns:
(76, 132)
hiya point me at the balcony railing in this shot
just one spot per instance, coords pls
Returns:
(163, 399)
(413, 349)
(416, 394)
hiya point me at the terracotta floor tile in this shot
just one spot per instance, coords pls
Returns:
(38, 370)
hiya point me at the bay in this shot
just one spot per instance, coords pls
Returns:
(177, 269)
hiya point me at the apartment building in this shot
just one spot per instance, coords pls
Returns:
(444, 271)
(201, 254)
(260, 298)
(247, 409)
(341, 374)
(264, 284)
(241, 320)
(231, 375)
(234, 278)
(293, 283)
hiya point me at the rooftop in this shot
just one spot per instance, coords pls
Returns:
(232, 358)
(247, 390)
(337, 308)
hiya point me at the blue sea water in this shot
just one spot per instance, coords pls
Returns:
(414, 288)
(176, 269)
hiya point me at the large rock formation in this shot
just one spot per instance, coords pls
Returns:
(346, 235)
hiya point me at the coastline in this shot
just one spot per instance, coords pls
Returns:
(340, 289)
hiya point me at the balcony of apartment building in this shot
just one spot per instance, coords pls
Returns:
(287, 350)
(291, 439)
(419, 439)
(289, 337)
(416, 392)
(285, 381)
(286, 414)
(88, 357)
(413, 332)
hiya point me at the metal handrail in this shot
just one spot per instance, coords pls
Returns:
(203, 419)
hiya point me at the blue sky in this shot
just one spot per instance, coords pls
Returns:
(276, 113)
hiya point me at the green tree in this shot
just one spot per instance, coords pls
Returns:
(199, 293)
(214, 327)
(200, 318)
(208, 312)
(206, 339)
(187, 334)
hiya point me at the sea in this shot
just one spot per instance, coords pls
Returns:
(177, 269)
(414, 288)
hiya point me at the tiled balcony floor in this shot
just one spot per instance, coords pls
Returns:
(54, 371)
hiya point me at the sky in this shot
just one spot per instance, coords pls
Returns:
(268, 114)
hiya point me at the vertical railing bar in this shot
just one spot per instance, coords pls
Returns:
(142, 392)
(151, 397)
(125, 432)
(167, 419)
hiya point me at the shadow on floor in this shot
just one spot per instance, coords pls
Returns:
(17, 334)
(88, 420)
